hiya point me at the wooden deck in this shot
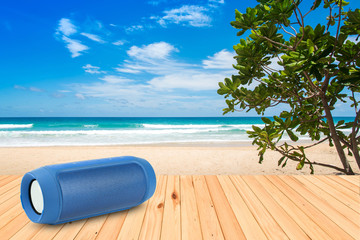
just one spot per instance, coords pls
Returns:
(210, 207)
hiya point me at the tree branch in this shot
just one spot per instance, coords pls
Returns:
(301, 25)
(287, 31)
(328, 24)
(315, 88)
(314, 163)
(337, 33)
(272, 41)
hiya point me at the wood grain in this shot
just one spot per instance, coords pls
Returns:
(210, 207)
(171, 223)
(190, 221)
(210, 226)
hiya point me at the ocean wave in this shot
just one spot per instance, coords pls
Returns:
(138, 131)
(172, 126)
(91, 125)
(201, 126)
(14, 126)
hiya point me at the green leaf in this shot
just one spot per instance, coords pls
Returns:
(341, 122)
(266, 120)
(310, 46)
(284, 164)
(281, 160)
(292, 136)
(256, 129)
(300, 165)
(285, 114)
(261, 158)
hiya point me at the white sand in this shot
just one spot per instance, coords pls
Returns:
(171, 159)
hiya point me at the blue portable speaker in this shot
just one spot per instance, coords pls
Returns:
(67, 192)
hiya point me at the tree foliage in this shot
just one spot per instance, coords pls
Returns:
(318, 67)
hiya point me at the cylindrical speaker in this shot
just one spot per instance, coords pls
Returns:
(71, 191)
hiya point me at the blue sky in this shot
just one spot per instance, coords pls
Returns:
(117, 58)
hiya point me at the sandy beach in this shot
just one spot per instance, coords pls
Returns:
(171, 159)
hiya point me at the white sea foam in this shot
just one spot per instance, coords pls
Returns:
(201, 126)
(171, 126)
(146, 135)
(90, 125)
(14, 126)
(138, 131)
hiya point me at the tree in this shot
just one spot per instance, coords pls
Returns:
(318, 67)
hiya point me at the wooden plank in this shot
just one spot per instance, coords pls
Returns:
(14, 226)
(344, 183)
(336, 188)
(353, 179)
(229, 225)
(190, 221)
(245, 218)
(270, 227)
(9, 215)
(324, 207)
(48, 232)
(14, 183)
(151, 227)
(317, 216)
(28, 231)
(7, 180)
(91, 228)
(112, 226)
(132, 225)
(5, 206)
(309, 226)
(210, 226)
(330, 211)
(171, 224)
(9, 194)
(2, 177)
(69, 230)
(344, 204)
(279, 214)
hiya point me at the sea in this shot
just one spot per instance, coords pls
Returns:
(96, 131)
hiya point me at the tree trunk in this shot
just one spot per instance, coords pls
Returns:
(335, 137)
(355, 149)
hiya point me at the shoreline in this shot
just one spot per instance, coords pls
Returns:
(172, 159)
(244, 143)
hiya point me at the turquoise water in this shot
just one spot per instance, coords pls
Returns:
(121, 131)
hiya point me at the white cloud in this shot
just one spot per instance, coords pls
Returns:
(159, 50)
(92, 69)
(274, 63)
(155, 3)
(80, 96)
(93, 37)
(127, 70)
(161, 81)
(119, 43)
(354, 39)
(34, 89)
(112, 25)
(217, 1)
(19, 87)
(134, 28)
(221, 60)
(113, 79)
(74, 46)
(190, 80)
(186, 15)
(66, 27)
